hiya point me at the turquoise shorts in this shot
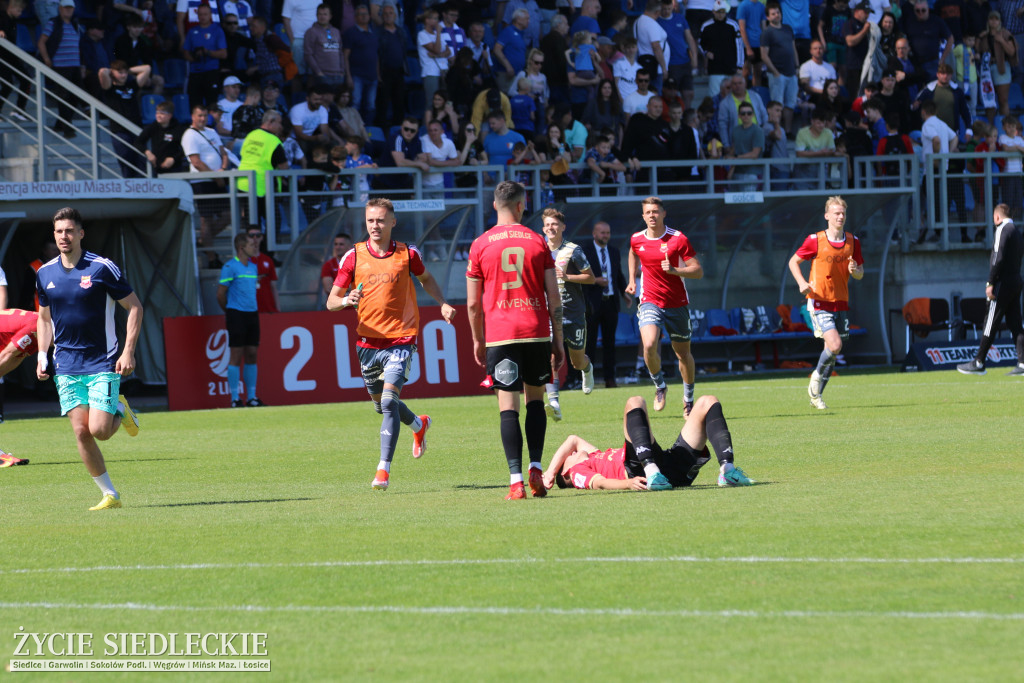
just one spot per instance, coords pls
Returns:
(98, 391)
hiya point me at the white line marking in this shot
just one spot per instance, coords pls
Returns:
(444, 610)
(517, 560)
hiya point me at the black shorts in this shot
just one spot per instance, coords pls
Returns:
(679, 464)
(243, 328)
(512, 365)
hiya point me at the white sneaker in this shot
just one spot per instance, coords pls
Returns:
(814, 388)
(588, 380)
(818, 402)
(553, 410)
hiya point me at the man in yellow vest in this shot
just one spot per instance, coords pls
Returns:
(261, 152)
(835, 256)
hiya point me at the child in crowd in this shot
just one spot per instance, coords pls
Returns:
(988, 141)
(1012, 184)
(965, 71)
(873, 112)
(890, 144)
(524, 108)
(871, 89)
(355, 158)
(319, 160)
(602, 164)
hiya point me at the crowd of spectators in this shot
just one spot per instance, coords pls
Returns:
(611, 84)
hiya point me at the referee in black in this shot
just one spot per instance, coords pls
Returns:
(1002, 291)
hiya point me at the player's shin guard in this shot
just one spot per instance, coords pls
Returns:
(536, 427)
(826, 362)
(512, 440)
(389, 426)
(718, 433)
(639, 433)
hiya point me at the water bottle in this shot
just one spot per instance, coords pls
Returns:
(548, 195)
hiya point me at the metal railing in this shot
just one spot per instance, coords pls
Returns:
(90, 152)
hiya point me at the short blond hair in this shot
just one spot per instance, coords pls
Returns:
(653, 200)
(381, 203)
(837, 200)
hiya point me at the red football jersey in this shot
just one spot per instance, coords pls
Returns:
(18, 327)
(655, 286)
(610, 464)
(510, 261)
(330, 268)
(267, 274)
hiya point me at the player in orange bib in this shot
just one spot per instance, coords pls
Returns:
(17, 342)
(377, 277)
(835, 256)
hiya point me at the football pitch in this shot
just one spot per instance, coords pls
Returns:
(885, 541)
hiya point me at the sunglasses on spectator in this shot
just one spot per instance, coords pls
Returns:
(643, 80)
(470, 129)
(409, 130)
(537, 61)
(746, 113)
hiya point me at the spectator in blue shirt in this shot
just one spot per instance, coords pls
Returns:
(94, 55)
(532, 31)
(361, 66)
(58, 47)
(751, 17)
(682, 63)
(205, 45)
(510, 49)
(587, 19)
(392, 42)
(500, 140)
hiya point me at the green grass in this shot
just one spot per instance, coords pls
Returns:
(903, 467)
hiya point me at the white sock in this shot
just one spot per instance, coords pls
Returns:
(640, 363)
(103, 481)
(651, 469)
(386, 466)
(417, 424)
(516, 479)
(536, 466)
(726, 467)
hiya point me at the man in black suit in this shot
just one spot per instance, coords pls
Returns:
(603, 297)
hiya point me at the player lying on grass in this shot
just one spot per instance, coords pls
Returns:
(18, 340)
(640, 463)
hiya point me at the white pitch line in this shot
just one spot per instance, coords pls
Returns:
(683, 559)
(443, 610)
